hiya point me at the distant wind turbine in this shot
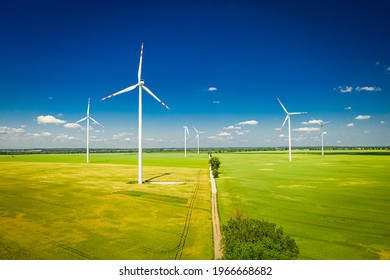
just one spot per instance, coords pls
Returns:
(321, 123)
(186, 132)
(197, 137)
(289, 126)
(88, 117)
(140, 86)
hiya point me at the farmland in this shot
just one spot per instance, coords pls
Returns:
(335, 207)
(57, 207)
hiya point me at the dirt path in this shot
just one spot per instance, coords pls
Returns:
(216, 224)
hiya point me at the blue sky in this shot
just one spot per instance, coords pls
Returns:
(219, 65)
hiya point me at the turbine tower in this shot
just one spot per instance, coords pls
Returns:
(186, 132)
(321, 123)
(197, 137)
(88, 117)
(140, 86)
(289, 126)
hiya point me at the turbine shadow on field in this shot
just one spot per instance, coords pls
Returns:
(158, 176)
(150, 179)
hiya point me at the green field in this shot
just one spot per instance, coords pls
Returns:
(335, 207)
(58, 207)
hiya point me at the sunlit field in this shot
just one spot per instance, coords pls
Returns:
(58, 207)
(335, 207)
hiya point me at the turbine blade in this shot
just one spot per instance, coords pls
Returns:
(196, 130)
(89, 102)
(155, 97)
(83, 119)
(140, 63)
(120, 92)
(284, 122)
(281, 104)
(186, 130)
(92, 119)
(297, 113)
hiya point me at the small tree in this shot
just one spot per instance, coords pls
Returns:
(251, 239)
(215, 164)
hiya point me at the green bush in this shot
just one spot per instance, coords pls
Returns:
(251, 239)
(215, 164)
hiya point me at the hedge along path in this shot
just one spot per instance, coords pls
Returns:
(215, 217)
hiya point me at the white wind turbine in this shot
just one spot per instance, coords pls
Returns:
(186, 132)
(289, 126)
(88, 117)
(197, 137)
(321, 123)
(140, 86)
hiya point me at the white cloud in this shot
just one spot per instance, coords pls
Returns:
(350, 125)
(216, 102)
(46, 134)
(362, 117)
(212, 89)
(307, 129)
(282, 135)
(65, 137)
(72, 125)
(382, 122)
(312, 122)
(242, 132)
(11, 130)
(348, 108)
(232, 127)
(49, 120)
(251, 122)
(368, 88)
(358, 89)
(344, 89)
(223, 134)
(123, 136)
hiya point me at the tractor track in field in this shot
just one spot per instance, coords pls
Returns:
(186, 227)
(67, 248)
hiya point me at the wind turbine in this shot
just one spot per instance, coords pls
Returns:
(289, 126)
(321, 123)
(197, 137)
(88, 117)
(140, 86)
(186, 132)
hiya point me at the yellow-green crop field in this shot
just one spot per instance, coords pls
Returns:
(58, 207)
(335, 206)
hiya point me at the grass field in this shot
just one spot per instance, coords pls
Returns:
(335, 207)
(58, 207)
